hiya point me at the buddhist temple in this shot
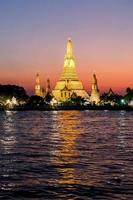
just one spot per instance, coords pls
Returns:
(38, 90)
(69, 82)
(110, 92)
(95, 95)
(48, 88)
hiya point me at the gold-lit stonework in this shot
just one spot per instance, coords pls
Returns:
(69, 82)
(38, 90)
(48, 88)
(95, 95)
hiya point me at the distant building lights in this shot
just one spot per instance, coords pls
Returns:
(11, 103)
(122, 101)
(131, 103)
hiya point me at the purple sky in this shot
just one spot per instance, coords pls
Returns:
(33, 36)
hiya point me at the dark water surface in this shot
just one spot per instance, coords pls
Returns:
(66, 155)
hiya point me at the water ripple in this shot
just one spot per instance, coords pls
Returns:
(66, 155)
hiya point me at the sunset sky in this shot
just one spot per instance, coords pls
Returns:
(33, 36)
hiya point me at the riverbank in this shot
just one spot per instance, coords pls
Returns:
(56, 108)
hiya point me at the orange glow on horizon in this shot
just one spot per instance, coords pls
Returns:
(111, 73)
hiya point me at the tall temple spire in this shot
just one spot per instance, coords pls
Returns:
(38, 90)
(95, 95)
(69, 71)
(69, 50)
(37, 79)
(37, 85)
(48, 89)
(69, 82)
(94, 82)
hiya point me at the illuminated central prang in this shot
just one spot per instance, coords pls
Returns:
(69, 83)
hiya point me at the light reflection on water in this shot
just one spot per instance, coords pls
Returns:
(66, 155)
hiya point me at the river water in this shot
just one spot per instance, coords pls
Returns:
(68, 155)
